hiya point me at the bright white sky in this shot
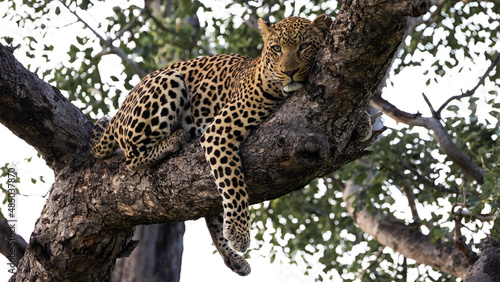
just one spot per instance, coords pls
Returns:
(199, 262)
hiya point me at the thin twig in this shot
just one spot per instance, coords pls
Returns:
(433, 112)
(129, 26)
(464, 194)
(471, 92)
(396, 268)
(405, 269)
(481, 217)
(103, 52)
(459, 240)
(108, 43)
(379, 253)
(411, 202)
(101, 38)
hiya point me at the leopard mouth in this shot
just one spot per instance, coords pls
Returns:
(292, 86)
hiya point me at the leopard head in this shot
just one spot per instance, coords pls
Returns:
(290, 47)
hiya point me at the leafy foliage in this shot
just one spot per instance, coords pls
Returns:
(452, 32)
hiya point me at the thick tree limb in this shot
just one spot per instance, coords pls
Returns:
(37, 113)
(94, 204)
(406, 240)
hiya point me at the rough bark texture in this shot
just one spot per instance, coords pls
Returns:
(94, 204)
(407, 240)
(158, 257)
(486, 269)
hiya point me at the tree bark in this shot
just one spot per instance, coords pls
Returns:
(406, 240)
(486, 269)
(93, 206)
(157, 257)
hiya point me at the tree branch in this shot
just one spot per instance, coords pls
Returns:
(37, 113)
(372, 263)
(440, 133)
(411, 202)
(108, 43)
(470, 92)
(94, 204)
(486, 267)
(406, 240)
(459, 240)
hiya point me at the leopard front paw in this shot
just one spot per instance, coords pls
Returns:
(238, 237)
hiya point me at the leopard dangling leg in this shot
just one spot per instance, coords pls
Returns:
(220, 143)
(232, 259)
(228, 173)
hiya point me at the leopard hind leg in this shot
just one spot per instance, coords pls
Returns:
(157, 130)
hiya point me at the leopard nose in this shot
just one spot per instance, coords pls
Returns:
(291, 73)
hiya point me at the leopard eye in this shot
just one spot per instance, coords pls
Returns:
(303, 46)
(276, 48)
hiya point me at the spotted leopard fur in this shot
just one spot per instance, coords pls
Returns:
(220, 98)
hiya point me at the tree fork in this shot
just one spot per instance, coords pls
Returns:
(94, 204)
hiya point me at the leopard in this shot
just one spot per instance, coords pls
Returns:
(220, 99)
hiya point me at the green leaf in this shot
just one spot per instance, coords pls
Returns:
(81, 40)
(8, 40)
(84, 5)
(48, 48)
(73, 51)
(453, 108)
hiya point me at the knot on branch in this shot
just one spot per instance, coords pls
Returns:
(313, 149)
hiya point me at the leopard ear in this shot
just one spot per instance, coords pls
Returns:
(265, 29)
(321, 25)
